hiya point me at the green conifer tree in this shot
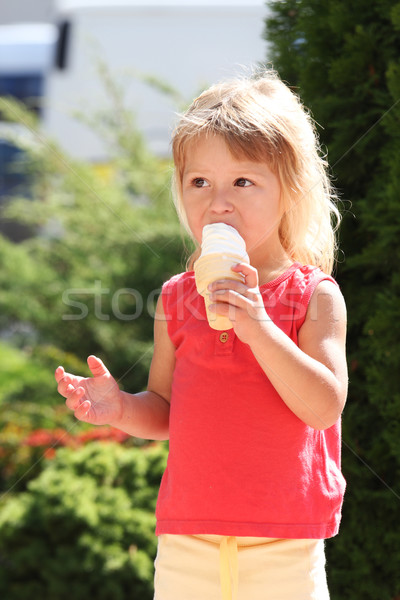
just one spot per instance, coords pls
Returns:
(343, 59)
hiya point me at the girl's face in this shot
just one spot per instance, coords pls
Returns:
(218, 188)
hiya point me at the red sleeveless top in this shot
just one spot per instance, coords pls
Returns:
(241, 463)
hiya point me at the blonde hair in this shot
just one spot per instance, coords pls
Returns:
(261, 119)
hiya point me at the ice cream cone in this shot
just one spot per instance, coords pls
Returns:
(222, 247)
(210, 268)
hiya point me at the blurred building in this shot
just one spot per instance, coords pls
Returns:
(29, 11)
(184, 45)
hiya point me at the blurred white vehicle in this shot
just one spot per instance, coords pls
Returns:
(54, 69)
(186, 46)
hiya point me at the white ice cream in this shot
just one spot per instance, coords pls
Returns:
(219, 238)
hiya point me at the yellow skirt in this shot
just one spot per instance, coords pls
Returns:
(212, 567)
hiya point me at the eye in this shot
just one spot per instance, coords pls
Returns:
(242, 182)
(199, 182)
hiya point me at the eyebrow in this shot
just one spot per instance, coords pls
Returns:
(239, 171)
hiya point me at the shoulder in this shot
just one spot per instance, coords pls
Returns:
(175, 286)
(321, 294)
(302, 287)
(307, 277)
(327, 303)
(326, 316)
(181, 280)
(181, 299)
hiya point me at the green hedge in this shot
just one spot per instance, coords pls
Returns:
(343, 58)
(84, 527)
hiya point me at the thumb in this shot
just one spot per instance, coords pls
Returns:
(97, 366)
(249, 272)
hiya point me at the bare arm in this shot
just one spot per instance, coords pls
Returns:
(310, 378)
(98, 399)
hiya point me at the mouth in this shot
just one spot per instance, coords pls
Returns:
(219, 222)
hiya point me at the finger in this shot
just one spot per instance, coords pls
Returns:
(97, 366)
(74, 397)
(249, 272)
(225, 309)
(82, 410)
(228, 284)
(231, 291)
(63, 384)
(59, 373)
(230, 297)
(225, 300)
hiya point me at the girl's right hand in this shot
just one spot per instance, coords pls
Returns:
(96, 400)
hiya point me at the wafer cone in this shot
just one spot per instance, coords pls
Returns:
(210, 268)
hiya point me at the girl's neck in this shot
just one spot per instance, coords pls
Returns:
(273, 267)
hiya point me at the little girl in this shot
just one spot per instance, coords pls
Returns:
(253, 483)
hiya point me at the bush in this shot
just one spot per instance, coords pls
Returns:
(343, 59)
(84, 527)
(99, 243)
(88, 277)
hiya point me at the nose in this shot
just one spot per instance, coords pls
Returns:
(220, 201)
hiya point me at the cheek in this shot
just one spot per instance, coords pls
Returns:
(194, 209)
(194, 223)
(269, 207)
(276, 204)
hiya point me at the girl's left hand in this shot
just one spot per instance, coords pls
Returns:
(241, 302)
